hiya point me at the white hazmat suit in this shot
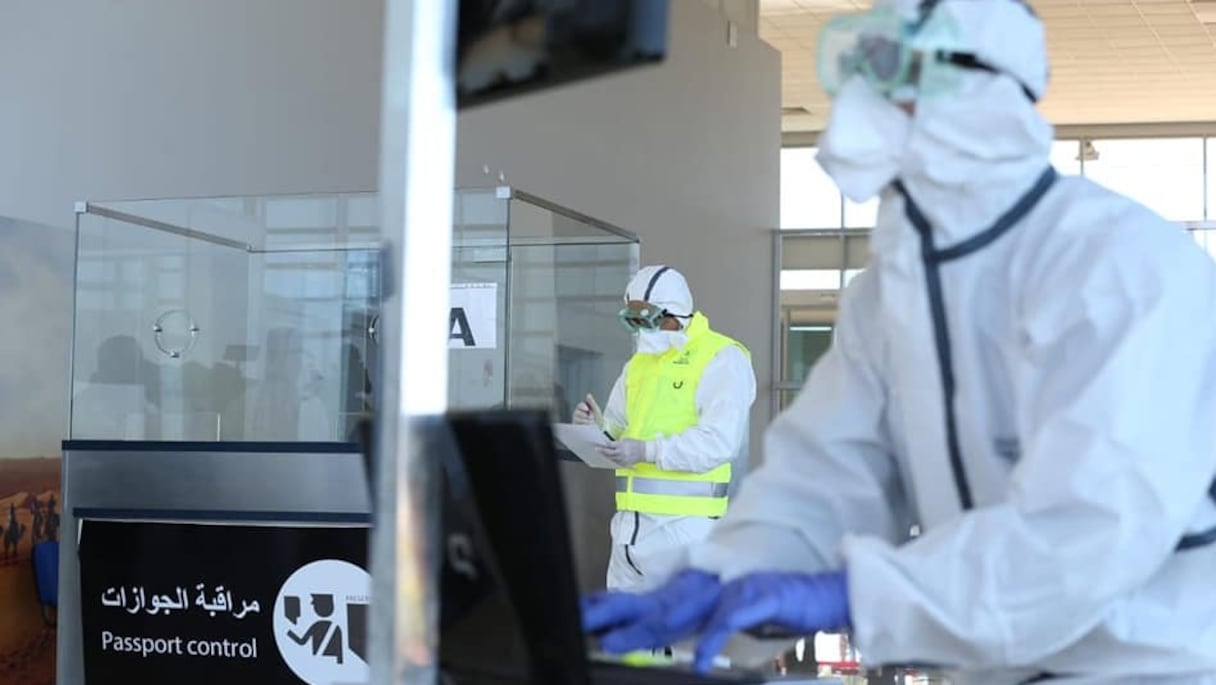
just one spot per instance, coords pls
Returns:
(1027, 371)
(644, 542)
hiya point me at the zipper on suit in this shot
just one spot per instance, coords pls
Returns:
(933, 259)
(633, 540)
(945, 363)
(629, 560)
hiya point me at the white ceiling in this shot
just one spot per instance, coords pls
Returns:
(1113, 61)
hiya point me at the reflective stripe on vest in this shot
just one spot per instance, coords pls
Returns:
(660, 400)
(655, 486)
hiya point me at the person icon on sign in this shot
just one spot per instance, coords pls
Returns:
(324, 634)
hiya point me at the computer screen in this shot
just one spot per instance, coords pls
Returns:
(509, 47)
(508, 591)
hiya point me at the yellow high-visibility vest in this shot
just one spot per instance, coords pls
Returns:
(661, 400)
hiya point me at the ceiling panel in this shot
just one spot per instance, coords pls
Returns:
(1113, 61)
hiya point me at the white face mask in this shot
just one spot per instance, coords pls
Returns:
(658, 342)
(864, 142)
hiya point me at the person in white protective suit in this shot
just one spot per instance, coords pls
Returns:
(678, 419)
(1026, 370)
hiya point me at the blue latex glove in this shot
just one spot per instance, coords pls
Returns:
(798, 603)
(626, 622)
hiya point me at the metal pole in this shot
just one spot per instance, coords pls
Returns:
(417, 157)
(778, 341)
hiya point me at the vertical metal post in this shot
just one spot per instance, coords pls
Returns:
(417, 159)
(778, 329)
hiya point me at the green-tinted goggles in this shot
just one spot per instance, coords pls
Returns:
(902, 60)
(889, 52)
(635, 320)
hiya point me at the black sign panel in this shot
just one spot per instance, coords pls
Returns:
(190, 603)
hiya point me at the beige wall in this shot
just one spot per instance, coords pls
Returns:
(745, 13)
(126, 99)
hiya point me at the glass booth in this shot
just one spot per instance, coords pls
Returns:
(255, 318)
(225, 351)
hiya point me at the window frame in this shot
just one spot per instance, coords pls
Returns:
(1079, 135)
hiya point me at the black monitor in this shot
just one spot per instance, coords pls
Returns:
(509, 595)
(508, 47)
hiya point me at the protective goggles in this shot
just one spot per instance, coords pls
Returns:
(902, 60)
(646, 319)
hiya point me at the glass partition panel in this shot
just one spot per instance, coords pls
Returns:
(233, 319)
(568, 273)
(255, 319)
(156, 312)
(477, 360)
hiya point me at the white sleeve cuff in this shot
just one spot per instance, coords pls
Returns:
(652, 451)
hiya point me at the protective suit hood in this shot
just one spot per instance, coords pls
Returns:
(1007, 34)
(965, 156)
(662, 286)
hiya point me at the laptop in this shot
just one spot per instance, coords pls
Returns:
(509, 598)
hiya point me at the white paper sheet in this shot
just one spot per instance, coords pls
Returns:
(582, 441)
